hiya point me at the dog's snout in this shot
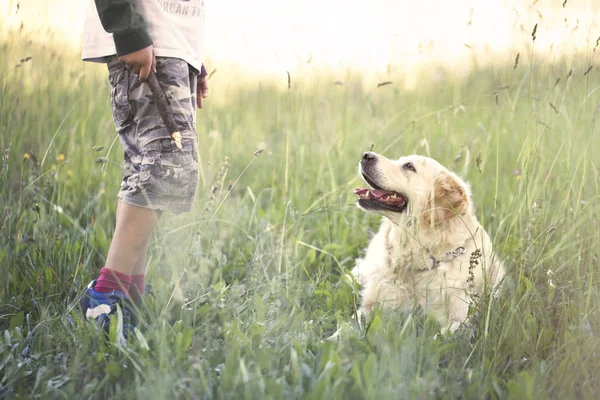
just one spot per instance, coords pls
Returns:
(368, 158)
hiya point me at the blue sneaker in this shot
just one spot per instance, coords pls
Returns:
(101, 306)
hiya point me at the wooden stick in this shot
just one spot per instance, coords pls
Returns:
(164, 109)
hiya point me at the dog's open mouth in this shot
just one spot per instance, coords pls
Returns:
(379, 199)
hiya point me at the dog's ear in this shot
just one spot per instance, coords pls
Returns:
(449, 197)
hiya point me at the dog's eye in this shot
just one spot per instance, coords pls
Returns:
(409, 166)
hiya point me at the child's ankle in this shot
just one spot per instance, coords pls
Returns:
(111, 280)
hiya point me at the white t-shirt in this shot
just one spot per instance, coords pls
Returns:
(175, 26)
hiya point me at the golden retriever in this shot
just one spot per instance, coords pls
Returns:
(430, 249)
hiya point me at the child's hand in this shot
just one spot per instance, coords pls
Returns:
(140, 62)
(202, 91)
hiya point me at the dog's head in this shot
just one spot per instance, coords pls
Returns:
(415, 185)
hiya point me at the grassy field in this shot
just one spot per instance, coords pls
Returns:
(248, 287)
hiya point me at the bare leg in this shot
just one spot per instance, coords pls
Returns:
(140, 266)
(130, 241)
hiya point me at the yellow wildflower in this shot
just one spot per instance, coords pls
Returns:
(26, 156)
(61, 157)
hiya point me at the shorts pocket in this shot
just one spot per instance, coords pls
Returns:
(170, 173)
(118, 77)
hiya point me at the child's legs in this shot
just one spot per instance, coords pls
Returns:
(140, 266)
(131, 238)
(158, 176)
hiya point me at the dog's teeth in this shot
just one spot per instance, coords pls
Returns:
(393, 196)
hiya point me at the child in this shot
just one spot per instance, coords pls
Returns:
(134, 37)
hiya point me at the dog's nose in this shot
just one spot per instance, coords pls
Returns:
(368, 158)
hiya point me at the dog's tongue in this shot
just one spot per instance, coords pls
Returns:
(374, 192)
(379, 193)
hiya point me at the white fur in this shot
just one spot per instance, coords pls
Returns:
(399, 269)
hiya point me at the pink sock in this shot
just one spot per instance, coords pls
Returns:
(136, 290)
(110, 280)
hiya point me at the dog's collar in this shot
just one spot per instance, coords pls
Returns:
(449, 256)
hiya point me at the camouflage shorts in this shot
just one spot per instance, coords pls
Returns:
(157, 174)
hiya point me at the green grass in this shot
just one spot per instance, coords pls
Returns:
(250, 284)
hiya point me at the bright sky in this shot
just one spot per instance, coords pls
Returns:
(271, 36)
